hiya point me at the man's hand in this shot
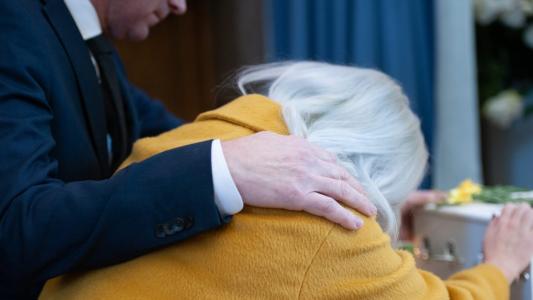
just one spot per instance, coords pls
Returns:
(287, 172)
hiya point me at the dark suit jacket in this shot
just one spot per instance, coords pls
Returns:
(59, 210)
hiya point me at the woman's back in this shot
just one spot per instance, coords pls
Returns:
(266, 253)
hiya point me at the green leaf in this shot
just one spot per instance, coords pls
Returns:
(501, 194)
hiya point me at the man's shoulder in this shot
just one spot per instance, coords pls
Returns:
(30, 45)
(11, 10)
(21, 24)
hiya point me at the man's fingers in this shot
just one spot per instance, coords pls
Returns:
(320, 153)
(328, 166)
(334, 171)
(328, 208)
(354, 183)
(342, 174)
(342, 191)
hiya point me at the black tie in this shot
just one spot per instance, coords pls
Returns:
(102, 51)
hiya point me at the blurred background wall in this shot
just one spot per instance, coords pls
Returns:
(457, 150)
(428, 46)
(185, 59)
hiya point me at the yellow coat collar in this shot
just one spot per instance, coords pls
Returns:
(255, 112)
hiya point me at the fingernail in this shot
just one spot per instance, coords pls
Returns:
(358, 223)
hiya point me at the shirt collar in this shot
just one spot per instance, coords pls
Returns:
(84, 14)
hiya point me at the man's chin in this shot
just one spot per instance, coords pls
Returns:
(132, 34)
(138, 34)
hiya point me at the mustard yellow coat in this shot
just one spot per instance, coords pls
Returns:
(267, 253)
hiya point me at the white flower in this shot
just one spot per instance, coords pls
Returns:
(504, 108)
(512, 13)
(528, 36)
(527, 7)
(487, 11)
(514, 18)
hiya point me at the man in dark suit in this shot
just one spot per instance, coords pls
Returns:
(68, 118)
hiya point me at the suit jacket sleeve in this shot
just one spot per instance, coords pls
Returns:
(49, 227)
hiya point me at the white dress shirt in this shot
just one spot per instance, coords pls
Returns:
(227, 196)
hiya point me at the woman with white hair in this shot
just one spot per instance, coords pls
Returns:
(363, 118)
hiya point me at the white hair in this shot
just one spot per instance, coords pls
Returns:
(360, 115)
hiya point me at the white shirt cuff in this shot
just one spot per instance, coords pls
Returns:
(227, 196)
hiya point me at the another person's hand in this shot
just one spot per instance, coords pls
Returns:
(416, 200)
(287, 172)
(509, 240)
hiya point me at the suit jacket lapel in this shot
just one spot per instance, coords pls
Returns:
(78, 53)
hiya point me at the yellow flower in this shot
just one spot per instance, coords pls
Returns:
(464, 192)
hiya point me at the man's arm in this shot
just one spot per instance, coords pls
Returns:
(266, 167)
(49, 227)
